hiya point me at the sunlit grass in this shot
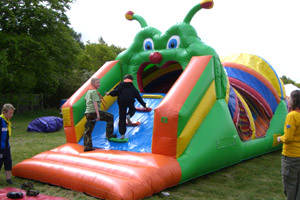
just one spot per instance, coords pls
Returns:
(258, 178)
(255, 179)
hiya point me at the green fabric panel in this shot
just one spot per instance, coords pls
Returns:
(78, 110)
(118, 140)
(220, 78)
(214, 145)
(109, 80)
(195, 96)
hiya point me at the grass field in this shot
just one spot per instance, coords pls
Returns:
(255, 179)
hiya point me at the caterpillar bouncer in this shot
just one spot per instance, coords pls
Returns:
(207, 113)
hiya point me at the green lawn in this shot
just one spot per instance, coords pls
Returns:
(255, 179)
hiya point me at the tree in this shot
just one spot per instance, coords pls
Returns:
(97, 54)
(88, 62)
(36, 45)
(287, 80)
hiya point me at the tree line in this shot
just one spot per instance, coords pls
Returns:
(287, 80)
(41, 54)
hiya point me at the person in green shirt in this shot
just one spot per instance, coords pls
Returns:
(290, 160)
(93, 114)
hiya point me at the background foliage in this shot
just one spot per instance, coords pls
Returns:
(287, 80)
(41, 54)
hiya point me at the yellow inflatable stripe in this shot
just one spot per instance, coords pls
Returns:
(227, 91)
(109, 99)
(283, 89)
(66, 116)
(257, 64)
(196, 119)
(152, 96)
(79, 128)
(249, 114)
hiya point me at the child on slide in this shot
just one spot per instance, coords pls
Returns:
(93, 113)
(127, 94)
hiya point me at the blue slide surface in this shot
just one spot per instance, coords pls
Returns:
(140, 137)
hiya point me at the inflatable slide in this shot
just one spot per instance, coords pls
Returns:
(207, 113)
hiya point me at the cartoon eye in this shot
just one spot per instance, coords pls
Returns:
(173, 42)
(148, 44)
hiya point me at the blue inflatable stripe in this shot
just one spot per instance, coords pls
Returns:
(255, 83)
(232, 102)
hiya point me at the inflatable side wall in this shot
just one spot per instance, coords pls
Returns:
(220, 135)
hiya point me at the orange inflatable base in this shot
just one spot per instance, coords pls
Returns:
(107, 174)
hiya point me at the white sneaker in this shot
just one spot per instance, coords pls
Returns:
(128, 120)
(122, 137)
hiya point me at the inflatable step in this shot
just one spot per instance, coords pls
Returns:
(107, 174)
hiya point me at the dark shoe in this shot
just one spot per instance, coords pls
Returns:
(92, 149)
(9, 181)
(14, 195)
(27, 186)
(112, 136)
(32, 193)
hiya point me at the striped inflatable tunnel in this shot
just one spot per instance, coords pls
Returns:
(255, 92)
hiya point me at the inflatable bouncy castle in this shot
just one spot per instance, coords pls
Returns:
(207, 113)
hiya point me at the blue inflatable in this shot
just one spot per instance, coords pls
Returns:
(45, 124)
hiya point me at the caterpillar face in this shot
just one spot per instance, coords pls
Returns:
(157, 59)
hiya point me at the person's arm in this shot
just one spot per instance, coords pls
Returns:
(95, 98)
(115, 91)
(95, 103)
(289, 130)
(140, 99)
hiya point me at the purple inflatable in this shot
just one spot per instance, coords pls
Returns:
(45, 124)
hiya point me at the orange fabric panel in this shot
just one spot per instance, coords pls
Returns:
(164, 139)
(106, 174)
